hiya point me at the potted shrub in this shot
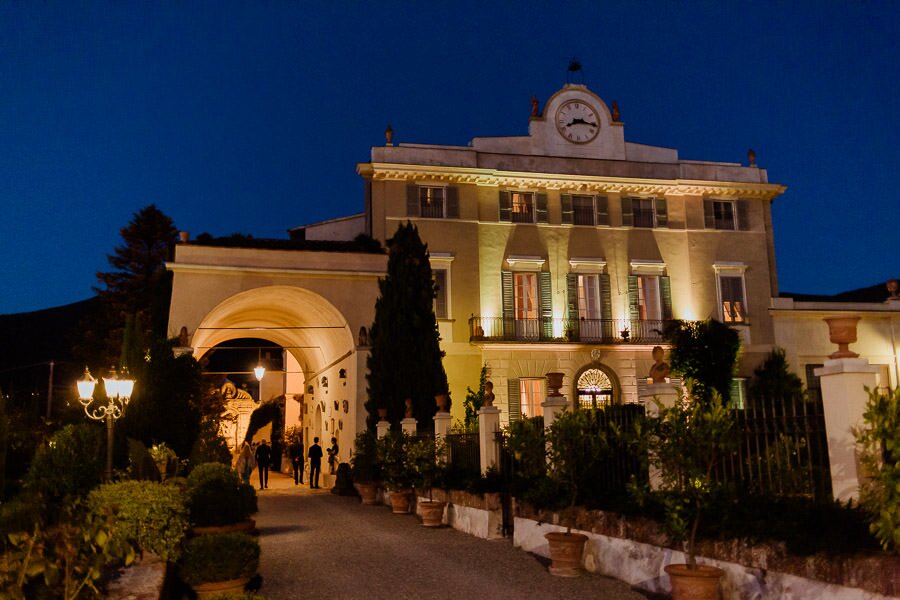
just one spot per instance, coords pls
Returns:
(686, 442)
(426, 457)
(364, 466)
(219, 563)
(573, 447)
(218, 500)
(396, 469)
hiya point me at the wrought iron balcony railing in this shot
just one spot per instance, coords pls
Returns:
(587, 331)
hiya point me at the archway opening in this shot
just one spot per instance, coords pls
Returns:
(595, 389)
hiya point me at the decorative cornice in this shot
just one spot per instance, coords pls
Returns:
(586, 183)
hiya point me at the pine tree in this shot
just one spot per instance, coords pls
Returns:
(138, 285)
(406, 359)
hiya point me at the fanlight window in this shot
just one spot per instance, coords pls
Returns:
(595, 390)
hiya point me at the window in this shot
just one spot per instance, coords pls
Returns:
(731, 291)
(583, 210)
(526, 299)
(589, 297)
(738, 393)
(522, 207)
(649, 301)
(595, 389)
(644, 212)
(441, 298)
(726, 215)
(431, 202)
(531, 394)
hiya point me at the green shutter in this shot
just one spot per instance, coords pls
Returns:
(605, 307)
(567, 215)
(709, 216)
(665, 292)
(602, 210)
(627, 213)
(514, 399)
(572, 301)
(412, 200)
(662, 216)
(452, 202)
(541, 203)
(509, 308)
(634, 311)
(505, 207)
(546, 303)
(743, 214)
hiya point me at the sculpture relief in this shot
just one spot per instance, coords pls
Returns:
(659, 372)
(239, 405)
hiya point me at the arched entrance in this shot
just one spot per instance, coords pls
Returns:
(596, 386)
(313, 344)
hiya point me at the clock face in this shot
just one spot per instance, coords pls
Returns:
(577, 121)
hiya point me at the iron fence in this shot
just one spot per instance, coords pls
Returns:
(593, 331)
(464, 453)
(782, 449)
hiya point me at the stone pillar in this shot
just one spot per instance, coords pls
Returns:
(488, 426)
(408, 425)
(382, 427)
(844, 402)
(554, 405)
(441, 429)
(666, 394)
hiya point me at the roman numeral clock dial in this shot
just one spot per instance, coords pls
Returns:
(577, 121)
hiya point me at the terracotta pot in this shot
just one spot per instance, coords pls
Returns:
(566, 550)
(214, 588)
(382, 413)
(432, 513)
(400, 500)
(243, 526)
(842, 331)
(554, 382)
(701, 583)
(368, 492)
(441, 402)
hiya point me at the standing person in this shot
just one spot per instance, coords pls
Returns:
(315, 463)
(263, 460)
(295, 450)
(333, 456)
(245, 462)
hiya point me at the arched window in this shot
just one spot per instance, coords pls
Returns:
(595, 389)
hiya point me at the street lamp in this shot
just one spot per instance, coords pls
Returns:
(260, 372)
(118, 393)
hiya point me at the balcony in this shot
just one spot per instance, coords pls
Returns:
(584, 331)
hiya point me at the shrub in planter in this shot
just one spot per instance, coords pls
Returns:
(219, 557)
(397, 471)
(880, 492)
(152, 516)
(426, 459)
(216, 496)
(365, 469)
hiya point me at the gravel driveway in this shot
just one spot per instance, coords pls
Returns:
(319, 545)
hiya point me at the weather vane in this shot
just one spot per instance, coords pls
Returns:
(574, 71)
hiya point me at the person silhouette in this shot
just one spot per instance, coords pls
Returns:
(315, 463)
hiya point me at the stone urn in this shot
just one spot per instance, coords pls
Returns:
(701, 583)
(382, 414)
(432, 513)
(842, 331)
(368, 492)
(566, 550)
(400, 501)
(554, 383)
(441, 401)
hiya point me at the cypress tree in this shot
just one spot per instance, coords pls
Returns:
(405, 359)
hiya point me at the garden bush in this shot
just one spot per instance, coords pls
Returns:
(219, 557)
(880, 441)
(210, 446)
(70, 464)
(216, 496)
(152, 516)
(364, 463)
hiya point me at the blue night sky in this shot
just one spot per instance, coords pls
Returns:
(251, 116)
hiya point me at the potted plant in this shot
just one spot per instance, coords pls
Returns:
(426, 456)
(574, 447)
(396, 469)
(364, 466)
(219, 563)
(218, 500)
(685, 442)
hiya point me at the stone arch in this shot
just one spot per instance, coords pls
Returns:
(602, 372)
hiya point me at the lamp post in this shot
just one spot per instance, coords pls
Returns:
(118, 393)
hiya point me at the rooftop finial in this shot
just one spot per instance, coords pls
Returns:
(751, 157)
(615, 112)
(535, 111)
(389, 136)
